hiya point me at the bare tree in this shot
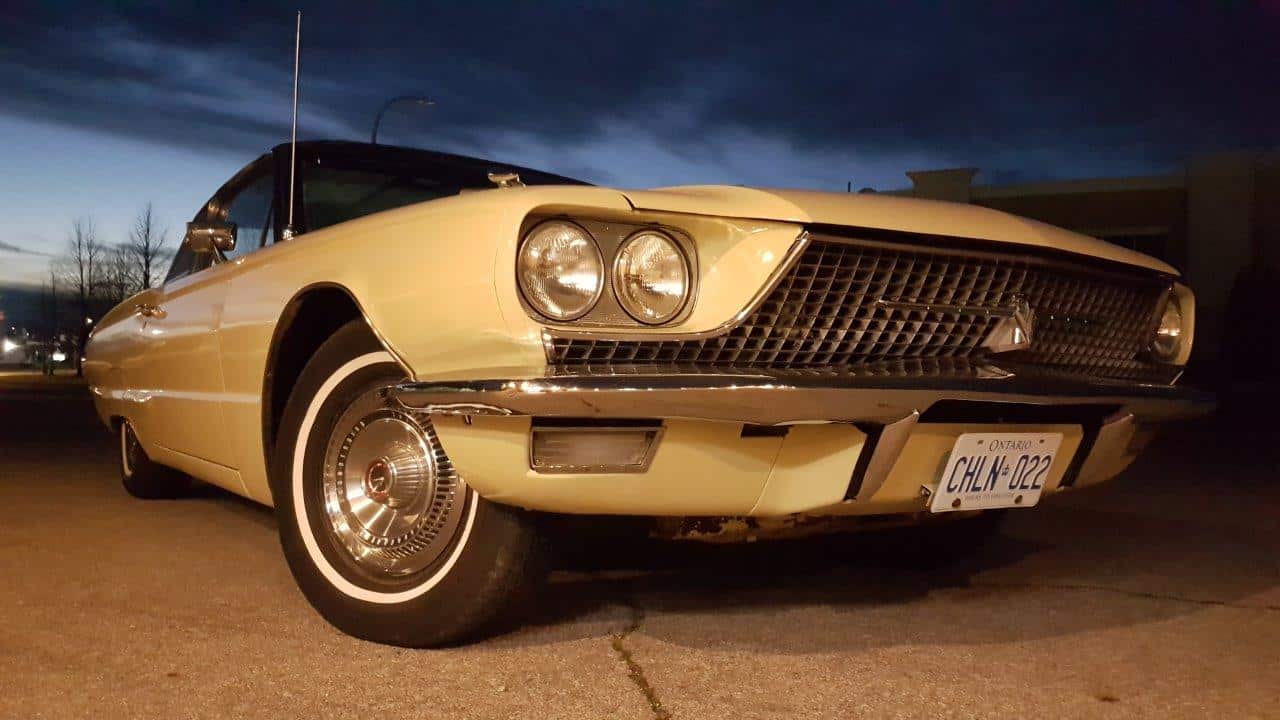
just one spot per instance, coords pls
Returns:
(80, 268)
(121, 276)
(49, 308)
(146, 246)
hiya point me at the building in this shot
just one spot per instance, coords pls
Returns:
(1218, 220)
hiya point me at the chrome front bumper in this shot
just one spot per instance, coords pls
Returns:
(765, 399)
(843, 453)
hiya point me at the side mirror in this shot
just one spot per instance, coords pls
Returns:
(207, 236)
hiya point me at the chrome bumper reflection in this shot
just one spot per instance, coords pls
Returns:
(765, 399)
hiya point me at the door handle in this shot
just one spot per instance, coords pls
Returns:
(151, 311)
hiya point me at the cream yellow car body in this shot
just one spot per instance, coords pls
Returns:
(435, 282)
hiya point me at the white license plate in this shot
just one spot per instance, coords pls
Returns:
(995, 470)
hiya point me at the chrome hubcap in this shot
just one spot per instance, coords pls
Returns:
(391, 496)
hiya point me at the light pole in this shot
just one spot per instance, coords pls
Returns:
(415, 99)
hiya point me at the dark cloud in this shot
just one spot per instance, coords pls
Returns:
(7, 247)
(1020, 89)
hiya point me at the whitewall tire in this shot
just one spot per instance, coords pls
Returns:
(382, 536)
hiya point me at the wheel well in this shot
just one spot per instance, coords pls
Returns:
(308, 320)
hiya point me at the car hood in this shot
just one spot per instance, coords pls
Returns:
(887, 212)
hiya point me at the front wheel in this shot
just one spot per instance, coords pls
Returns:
(142, 477)
(384, 538)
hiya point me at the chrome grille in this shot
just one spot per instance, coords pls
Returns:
(823, 313)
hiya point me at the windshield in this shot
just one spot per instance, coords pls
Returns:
(335, 190)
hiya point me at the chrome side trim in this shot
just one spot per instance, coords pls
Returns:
(893, 437)
(1112, 441)
(790, 259)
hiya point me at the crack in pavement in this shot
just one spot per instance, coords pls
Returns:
(637, 675)
(634, 671)
(1141, 594)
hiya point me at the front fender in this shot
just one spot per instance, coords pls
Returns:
(437, 281)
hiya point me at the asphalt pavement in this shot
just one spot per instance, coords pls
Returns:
(1157, 596)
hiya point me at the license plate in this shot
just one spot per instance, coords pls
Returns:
(995, 470)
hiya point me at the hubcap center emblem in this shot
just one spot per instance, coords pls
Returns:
(379, 479)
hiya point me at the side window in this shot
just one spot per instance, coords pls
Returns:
(250, 210)
(185, 262)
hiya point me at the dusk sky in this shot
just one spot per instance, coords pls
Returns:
(107, 108)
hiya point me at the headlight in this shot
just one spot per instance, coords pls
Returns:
(560, 270)
(1168, 340)
(651, 277)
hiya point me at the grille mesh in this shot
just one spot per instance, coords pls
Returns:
(823, 314)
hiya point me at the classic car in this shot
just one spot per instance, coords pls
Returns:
(423, 361)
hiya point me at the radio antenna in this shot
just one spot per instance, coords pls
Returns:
(289, 231)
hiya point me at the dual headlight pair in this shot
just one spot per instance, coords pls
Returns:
(561, 273)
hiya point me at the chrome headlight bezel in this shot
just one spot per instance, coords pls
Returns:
(610, 234)
(531, 297)
(635, 308)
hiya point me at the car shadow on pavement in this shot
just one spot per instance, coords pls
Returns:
(1107, 559)
(835, 574)
(241, 506)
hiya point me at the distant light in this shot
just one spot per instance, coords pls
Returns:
(88, 321)
(59, 356)
(9, 345)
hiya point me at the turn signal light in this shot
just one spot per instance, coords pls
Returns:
(556, 449)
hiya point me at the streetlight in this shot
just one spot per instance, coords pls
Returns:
(415, 99)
